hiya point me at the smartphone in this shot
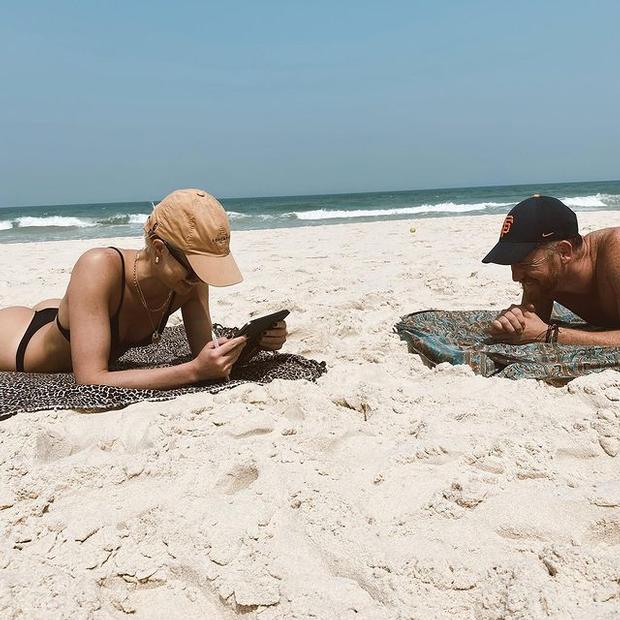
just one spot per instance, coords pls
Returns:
(255, 328)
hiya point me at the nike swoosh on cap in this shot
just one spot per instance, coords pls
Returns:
(546, 234)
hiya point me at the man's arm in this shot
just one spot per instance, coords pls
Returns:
(609, 338)
(608, 274)
(526, 322)
(543, 306)
(610, 287)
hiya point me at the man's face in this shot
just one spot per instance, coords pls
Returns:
(539, 271)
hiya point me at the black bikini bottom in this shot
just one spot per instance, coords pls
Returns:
(40, 318)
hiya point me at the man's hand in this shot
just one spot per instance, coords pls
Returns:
(518, 325)
(274, 338)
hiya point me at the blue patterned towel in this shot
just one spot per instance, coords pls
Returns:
(460, 337)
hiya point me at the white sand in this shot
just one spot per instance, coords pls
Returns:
(386, 490)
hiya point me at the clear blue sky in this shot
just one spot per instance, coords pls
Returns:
(106, 101)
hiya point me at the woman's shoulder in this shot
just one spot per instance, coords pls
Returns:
(101, 264)
(100, 257)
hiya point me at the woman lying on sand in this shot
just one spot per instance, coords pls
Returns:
(118, 299)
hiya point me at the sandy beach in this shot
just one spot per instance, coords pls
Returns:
(386, 490)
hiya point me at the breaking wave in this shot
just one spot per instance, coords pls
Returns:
(53, 220)
(442, 207)
(595, 200)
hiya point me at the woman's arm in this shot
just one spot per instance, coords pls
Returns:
(90, 293)
(197, 318)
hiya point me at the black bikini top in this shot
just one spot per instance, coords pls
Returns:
(114, 321)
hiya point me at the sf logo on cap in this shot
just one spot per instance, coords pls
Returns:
(506, 225)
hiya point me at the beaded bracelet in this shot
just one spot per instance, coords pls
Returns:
(553, 330)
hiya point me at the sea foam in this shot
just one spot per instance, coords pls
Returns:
(442, 207)
(138, 218)
(596, 200)
(54, 220)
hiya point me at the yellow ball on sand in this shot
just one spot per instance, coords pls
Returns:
(412, 230)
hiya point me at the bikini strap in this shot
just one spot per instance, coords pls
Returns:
(63, 330)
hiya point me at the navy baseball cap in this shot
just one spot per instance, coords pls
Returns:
(532, 222)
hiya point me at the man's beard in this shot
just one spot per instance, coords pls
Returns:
(547, 285)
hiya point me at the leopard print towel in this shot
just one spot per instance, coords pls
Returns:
(23, 392)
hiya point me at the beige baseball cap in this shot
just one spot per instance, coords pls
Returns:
(195, 222)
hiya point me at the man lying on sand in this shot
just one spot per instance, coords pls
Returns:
(540, 241)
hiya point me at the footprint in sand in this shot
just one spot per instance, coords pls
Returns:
(456, 500)
(606, 494)
(238, 478)
(118, 432)
(513, 531)
(251, 425)
(52, 446)
(606, 531)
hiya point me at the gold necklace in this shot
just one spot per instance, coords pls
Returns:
(155, 337)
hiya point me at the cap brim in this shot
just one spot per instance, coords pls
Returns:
(506, 253)
(215, 270)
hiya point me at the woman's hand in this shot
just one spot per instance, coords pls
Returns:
(215, 362)
(274, 338)
(518, 325)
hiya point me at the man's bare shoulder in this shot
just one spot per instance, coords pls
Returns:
(605, 240)
(604, 244)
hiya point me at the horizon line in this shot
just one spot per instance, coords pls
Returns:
(386, 191)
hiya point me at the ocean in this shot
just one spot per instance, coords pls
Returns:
(125, 219)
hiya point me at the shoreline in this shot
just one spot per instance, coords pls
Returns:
(386, 487)
(104, 220)
(411, 219)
